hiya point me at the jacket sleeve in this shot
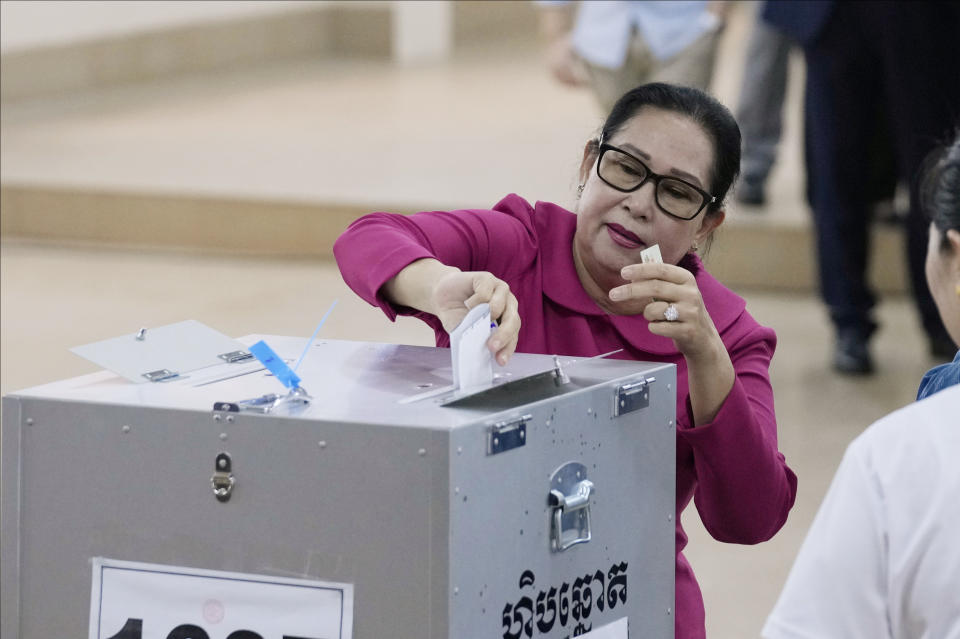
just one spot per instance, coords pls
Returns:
(744, 488)
(378, 246)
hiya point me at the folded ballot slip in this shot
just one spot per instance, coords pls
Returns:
(651, 255)
(472, 360)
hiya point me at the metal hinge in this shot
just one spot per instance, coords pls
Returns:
(161, 375)
(632, 396)
(235, 356)
(165, 374)
(507, 435)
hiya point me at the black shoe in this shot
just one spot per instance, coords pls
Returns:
(851, 355)
(751, 192)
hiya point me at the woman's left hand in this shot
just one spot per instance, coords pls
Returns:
(655, 287)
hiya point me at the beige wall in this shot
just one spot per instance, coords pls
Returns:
(30, 24)
(54, 48)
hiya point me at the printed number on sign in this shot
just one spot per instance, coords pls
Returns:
(133, 629)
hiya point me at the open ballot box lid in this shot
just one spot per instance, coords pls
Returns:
(541, 504)
(170, 352)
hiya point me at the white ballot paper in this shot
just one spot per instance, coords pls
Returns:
(472, 360)
(651, 255)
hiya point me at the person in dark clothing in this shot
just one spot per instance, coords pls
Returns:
(881, 81)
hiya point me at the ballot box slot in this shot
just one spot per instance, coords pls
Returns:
(223, 372)
(525, 390)
(506, 392)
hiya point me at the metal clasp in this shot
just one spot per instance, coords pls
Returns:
(570, 493)
(297, 398)
(222, 480)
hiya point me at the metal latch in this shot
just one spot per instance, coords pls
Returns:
(161, 375)
(222, 480)
(570, 492)
(297, 398)
(633, 396)
(507, 435)
(559, 377)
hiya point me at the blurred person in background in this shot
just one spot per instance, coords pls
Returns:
(882, 81)
(615, 46)
(657, 174)
(881, 559)
(760, 109)
(940, 198)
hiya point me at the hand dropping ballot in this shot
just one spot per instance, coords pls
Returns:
(472, 360)
(651, 255)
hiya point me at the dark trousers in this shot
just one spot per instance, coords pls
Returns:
(883, 89)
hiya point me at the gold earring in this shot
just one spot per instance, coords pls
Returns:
(695, 247)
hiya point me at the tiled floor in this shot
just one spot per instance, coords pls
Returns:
(305, 146)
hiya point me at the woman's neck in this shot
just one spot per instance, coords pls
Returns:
(599, 292)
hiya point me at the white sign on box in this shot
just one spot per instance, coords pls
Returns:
(615, 630)
(132, 600)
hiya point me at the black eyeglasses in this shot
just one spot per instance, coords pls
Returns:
(674, 196)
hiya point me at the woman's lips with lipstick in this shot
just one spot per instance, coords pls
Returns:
(623, 237)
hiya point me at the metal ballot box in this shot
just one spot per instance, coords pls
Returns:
(542, 507)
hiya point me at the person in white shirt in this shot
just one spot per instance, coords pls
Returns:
(616, 46)
(882, 557)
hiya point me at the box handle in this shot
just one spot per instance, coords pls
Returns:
(569, 499)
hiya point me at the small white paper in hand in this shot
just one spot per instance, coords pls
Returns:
(472, 360)
(651, 255)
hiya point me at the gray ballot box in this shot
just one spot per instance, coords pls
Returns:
(541, 507)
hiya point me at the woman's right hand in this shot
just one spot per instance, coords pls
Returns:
(456, 292)
(449, 293)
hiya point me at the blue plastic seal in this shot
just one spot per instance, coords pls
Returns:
(275, 364)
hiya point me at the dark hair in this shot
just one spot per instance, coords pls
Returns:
(940, 189)
(714, 118)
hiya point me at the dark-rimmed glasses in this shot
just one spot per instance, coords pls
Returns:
(627, 173)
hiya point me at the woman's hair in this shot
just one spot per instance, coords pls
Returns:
(714, 118)
(940, 189)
